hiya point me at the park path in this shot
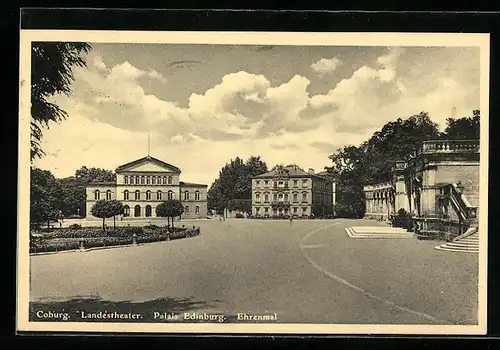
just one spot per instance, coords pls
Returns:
(274, 267)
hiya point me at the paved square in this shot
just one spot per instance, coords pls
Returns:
(304, 271)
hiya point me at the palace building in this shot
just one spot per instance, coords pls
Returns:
(143, 184)
(289, 190)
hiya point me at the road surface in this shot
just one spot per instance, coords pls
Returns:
(305, 272)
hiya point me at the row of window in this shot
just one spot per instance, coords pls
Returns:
(281, 197)
(295, 210)
(282, 184)
(137, 195)
(148, 210)
(148, 180)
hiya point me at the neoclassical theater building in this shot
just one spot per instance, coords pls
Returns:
(289, 190)
(143, 184)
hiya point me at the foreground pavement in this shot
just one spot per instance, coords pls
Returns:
(305, 272)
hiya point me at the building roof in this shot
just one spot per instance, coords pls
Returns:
(191, 184)
(147, 159)
(292, 170)
(104, 184)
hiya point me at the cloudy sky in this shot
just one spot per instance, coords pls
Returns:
(206, 104)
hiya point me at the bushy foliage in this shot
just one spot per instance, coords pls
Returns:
(372, 161)
(234, 183)
(52, 66)
(403, 220)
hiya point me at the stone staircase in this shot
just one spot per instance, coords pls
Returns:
(466, 244)
(378, 232)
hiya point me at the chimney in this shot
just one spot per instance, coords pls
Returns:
(311, 171)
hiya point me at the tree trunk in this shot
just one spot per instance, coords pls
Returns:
(114, 222)
(103, 227)
(172, 222)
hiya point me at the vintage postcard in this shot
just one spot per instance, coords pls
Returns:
(250, 182)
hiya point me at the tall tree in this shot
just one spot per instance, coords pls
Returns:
(87, 175)
(73, 188)
(52, 66)
(466, 128)
(45, 196)
(234, 182)
(371, 162)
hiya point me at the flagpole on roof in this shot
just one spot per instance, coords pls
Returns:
(149, 143)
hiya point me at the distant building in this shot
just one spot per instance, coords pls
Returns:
(289, 190)
(143, 184)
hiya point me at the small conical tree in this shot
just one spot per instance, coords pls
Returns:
(170, 209)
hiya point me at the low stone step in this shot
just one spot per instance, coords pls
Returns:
(450, 249)
(458, 244)
(468, 240)
(381, 237)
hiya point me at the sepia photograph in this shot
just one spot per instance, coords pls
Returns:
(320, 183)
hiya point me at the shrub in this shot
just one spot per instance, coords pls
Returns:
(75, 217)
(75, 227)
(151, 227)
(39, 246)
(403, 220)
(178, 234)
(239, 216)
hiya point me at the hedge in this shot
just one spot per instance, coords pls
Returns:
(120, 236)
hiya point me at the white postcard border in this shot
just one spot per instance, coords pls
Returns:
(481, 40)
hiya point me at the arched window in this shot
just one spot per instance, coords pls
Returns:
(125, 195)
(137, 195)
(186, 209)
(197, 195)
(126, 180)
(148, 195)
(295, 197)
(97, 195)
(170, 195)
(148, 180)
(304, 196)
(257, 197)
(148, 210)
(164, 180)
(108, 195)
(186, 195)
(170, 180)
(153, 180)
(137, 211)
(142, 180)
(266, 197)
(158, 195)
(159, 180)
(286, 197)
(126, 210)
(197, 209)
(131, 180)
(280, 196)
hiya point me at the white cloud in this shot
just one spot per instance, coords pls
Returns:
(326, 66)
(243, 115)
